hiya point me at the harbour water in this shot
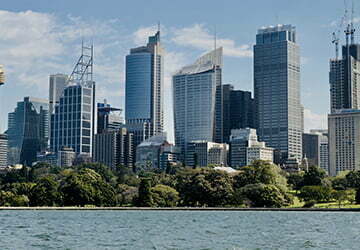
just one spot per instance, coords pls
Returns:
(178, 230)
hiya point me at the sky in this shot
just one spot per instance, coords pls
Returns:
(39, 38)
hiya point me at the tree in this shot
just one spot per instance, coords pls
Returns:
(45, 193)
(316, 193)
(204, 187)
(86, 187)
(353, 179)
(339, 183)
(314, 176)
(296, 180)
(164, 196)
(8, 199)
(340, 196)
(263, 195)
(145, 196)
(126, 194)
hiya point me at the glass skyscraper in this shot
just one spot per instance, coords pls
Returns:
(144, 89)
(277, 89)
(57, 84)
(28, 130)
(197, 95)
(72, 122)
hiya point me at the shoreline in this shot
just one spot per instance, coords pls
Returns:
(182, 209)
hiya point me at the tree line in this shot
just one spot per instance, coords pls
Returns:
(260, 184)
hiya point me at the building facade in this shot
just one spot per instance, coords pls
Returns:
(108, 118)
(114, 148)
(28, 130)
(72, 124)
(197, 95)
(238, 110)
(204, 154)
(277, 89)
(316, 148)
(3, 151)
(57, 84)
(344, 141)
(144, 88)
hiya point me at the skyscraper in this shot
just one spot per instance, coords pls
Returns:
(73, 122)
(345, 79)
(108, 118)
(57, 84)
(238, 110)
(197, 95)
(3, 151)
(28, 130)
(277, 89)
(144, 89)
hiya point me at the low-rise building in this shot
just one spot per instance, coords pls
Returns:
(204, 153)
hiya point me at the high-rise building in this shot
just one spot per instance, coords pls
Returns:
(144, 89)
(108, 118)
(73, 120)
(344, 141)
(3, 151)
(203, 154)
(315, 148)
(28, 130)
(277, 89)
(245, 148)
(114, 148)
(238, 110)
(197, 95)
(345, 79)
(57, 84)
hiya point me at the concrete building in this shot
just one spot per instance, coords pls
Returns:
(57, 84)
(277, 89)
(238, 110)
(144, 90)
(155, 153)
(344, 140)
(197, 95)
(65, 157)
(114, 148)
(3, 151)
(203, 154)
(315, 148)
(245, 148)
(28, 130)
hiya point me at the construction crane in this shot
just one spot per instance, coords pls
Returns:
(336, 35)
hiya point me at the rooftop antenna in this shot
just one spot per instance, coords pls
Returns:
(352, 29)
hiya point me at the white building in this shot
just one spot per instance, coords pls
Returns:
(245, 148)
(3, 151)
(204, 153)
(344, 140)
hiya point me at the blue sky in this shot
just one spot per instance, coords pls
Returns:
(39, 38)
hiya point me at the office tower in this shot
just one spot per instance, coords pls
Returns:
(204, 154)
(2, 75)
(245, 148)
(277, 89)
(344, 141)
(57, 84)
(73, 122)
(302, 119)
(144, 90)
(155, 153)
(28, 130)
(345, 79)
(238, 110)
(3, 151)
(197, 95)
(108, 118)
(114, 148)
(315, 148)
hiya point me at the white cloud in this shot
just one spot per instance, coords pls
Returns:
(197, 36)
(314, 121)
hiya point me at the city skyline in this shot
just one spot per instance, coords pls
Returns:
(184, 40)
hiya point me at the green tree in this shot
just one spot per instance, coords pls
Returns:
(87, 187)
(8, 199)
(316, 193)
(340, 196)
(263, 195)
(126, 194)
(164, 196)
(145, 198)
(45, 193)
(353, 179)
(296, 180)
(339, 183)
(314, 176)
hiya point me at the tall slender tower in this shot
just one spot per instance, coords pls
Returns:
(197, 95)
(73, 121)
(277, 89)
(144, 90)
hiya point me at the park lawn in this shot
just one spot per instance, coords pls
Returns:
(346, 204)
(297, 203)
